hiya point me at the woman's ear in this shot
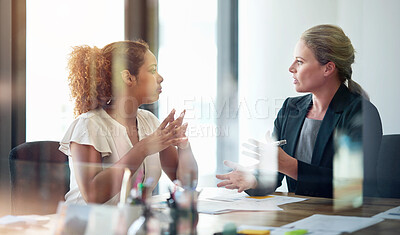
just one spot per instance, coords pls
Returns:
(128, 78)
(329, 68)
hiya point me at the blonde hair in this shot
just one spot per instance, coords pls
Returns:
(330, 43)
(91, 71)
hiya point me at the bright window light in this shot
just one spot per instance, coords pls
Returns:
(188, 63)
(53, 28)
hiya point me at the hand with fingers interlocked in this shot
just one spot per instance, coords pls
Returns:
(181, 132)
(170, 132)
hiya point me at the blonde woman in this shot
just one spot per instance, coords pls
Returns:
(321, 67)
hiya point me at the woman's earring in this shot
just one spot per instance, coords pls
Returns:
(109, 101)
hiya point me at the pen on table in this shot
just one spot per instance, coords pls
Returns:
(279, 143)
(394, 213)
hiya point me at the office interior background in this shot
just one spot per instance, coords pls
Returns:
(225, 62)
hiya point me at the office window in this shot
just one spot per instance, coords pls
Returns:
(53, 27)
(188, 62)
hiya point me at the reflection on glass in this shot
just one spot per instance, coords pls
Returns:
(347, 172)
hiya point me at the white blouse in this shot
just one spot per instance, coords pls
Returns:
(110, 138)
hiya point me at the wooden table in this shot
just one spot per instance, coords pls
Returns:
(209, 224)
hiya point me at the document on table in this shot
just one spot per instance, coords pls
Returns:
(217, 207)
(282, 230)
(212, 207)
(243, 202)
(11, 223)
(21, 220)
(269, 199)
(333, 223)
(393, 213)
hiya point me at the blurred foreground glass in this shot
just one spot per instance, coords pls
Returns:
(39, 175)
(96, 219)
(265, 155)
(37, 187)
(347, 172)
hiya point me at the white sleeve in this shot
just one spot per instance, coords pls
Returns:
(149, 120)
(86, 131)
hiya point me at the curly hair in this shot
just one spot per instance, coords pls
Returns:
(91, 71)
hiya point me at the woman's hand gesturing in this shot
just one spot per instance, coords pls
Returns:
(240, 178)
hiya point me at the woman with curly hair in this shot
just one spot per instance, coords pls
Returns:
(112, 133)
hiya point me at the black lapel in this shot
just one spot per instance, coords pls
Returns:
(329, 122)
(328, 125)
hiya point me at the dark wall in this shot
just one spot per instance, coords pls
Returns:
(5, 104)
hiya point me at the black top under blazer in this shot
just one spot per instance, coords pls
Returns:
(344, 115)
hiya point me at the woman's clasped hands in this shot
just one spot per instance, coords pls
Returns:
(170, 132)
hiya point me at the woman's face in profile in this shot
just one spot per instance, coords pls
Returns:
(149, 81)
(308, 74)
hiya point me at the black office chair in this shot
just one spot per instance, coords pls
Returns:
(39, 177)
(372, 136)
(388, 167)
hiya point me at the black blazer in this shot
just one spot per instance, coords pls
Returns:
(344, 115)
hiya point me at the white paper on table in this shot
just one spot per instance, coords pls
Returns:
(254, 205)
(282, 230)
(12, 220)
(278, 200)
(334, 223)
(218, 207)
(393, 213)
(221, 200)
(246, 204)
(229, 197)
(23, 220)
(212, 207)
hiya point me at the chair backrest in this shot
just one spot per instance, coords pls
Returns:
(388, 167)
(372, 136)
(39, 177)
